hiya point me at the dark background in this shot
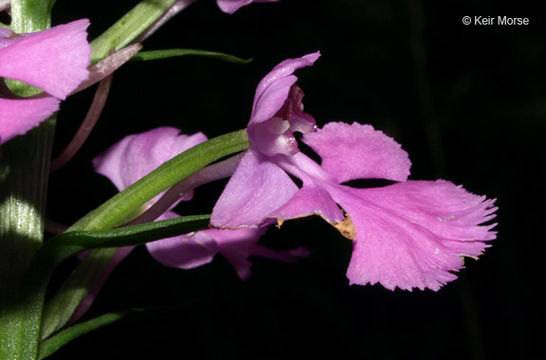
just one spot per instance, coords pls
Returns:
(468, 103)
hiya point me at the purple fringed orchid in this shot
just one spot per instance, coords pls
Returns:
(53, 60)
(409, 234)
(230, 6)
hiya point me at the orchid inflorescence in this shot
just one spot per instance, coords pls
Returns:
(409, 234)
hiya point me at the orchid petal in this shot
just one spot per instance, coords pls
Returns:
(440, 206)
(237, 245)
(230, 6)
(186, 251)
(273, 89)
(54, 60)
(193, 250)
(19, 116)
(356, 151)
(399, 247)
(310, 200)
(136, 155)
(257, 188)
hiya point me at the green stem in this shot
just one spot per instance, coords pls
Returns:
(24, 168)
(129, 27)
(30, 15)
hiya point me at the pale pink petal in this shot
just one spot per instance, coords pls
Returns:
(186, 251)
(19, 116)
(257, 188)
(230, 6)
(54, 60)
(137, 155)
(356, 151)
(400, 246)
(196, 249)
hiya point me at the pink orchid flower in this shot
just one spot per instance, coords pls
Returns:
(54, 60)
(409, 234)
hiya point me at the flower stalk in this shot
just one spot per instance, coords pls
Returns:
(129, 27)
(24, 168)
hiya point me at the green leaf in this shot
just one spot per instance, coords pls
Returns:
(167, 53)
(54, 343)
(120, 208)
(70, 243)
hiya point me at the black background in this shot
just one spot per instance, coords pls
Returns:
(468, 103)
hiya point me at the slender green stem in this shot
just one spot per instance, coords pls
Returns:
(129, 27)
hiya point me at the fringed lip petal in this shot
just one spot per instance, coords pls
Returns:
(19, 116)
(408, 246)
(357, 151)
(440, 206)
(54, 60)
